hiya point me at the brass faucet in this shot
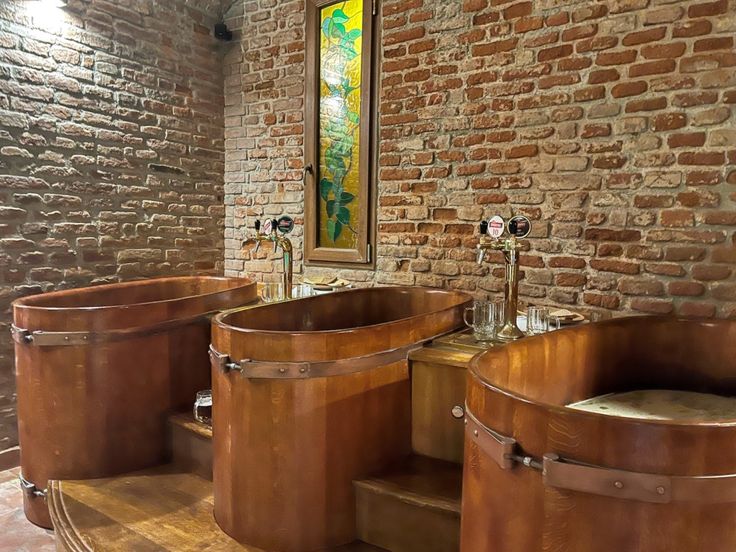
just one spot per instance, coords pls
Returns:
(517, 227)
(273, 227)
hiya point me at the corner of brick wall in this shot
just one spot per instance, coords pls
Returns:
(111, 151)
(610, 124)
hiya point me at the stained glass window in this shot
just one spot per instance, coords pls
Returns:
(339, 122)
(340, 48)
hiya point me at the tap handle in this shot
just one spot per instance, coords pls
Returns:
(484, 227)
(257, 225)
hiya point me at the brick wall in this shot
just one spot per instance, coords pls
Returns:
(609, 123)
(111, 150)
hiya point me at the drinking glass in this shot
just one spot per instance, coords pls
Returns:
(538, 321)
(272, 292)
(499, 315)
(483, 319)
(203, 407)
(299, 291)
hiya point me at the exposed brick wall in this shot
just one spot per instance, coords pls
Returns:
(111, 150)
(610, 123)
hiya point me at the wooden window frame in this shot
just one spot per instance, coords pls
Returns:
(363, 256)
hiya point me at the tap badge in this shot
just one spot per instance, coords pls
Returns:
(267, 226)
(519, 226)
(496, 226)
(285, 224)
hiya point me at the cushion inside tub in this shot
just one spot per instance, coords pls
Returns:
(661, 404)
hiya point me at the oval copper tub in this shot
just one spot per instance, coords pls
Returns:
(98, 370)
(309, 395)
(609, 482)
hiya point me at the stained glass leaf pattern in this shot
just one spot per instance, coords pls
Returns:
(339, 123)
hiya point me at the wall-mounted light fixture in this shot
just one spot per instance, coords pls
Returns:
(48, 15)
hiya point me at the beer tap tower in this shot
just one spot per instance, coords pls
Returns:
(499, 235)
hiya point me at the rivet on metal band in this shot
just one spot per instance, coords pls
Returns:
(30, 489)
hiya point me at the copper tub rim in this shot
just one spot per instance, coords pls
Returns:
(555, 409)
(24, 303)
(218, 319)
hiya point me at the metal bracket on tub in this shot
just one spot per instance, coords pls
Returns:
(222, 362)
(30, 489)
(272, 369)
(49, 339)
(570, 475)
(500, 448)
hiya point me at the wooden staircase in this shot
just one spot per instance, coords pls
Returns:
(413, 506)
(410, 507)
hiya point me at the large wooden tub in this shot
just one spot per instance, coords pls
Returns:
(542, 476)
(308, 396)
(98, 369)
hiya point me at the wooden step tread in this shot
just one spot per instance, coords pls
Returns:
(158, 510)
(185, 420)
(421, 481)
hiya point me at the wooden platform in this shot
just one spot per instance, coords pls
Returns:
(157, 510)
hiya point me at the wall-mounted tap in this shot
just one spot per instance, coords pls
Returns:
(492, 239)
(274, 231)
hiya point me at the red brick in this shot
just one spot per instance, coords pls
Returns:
(703, 178)
(668, 121)
(652, 68)
(491, 48)
(697, 310)
(474, 5)
(719, 43)
(554, 53)
(642, 37)
(626, 89)
(652, 306)
(684, 253)
(528, 24)
(689, 99)
(620, 267)
(692, 139)
(701, 158)
(403, 36)
(596, 44)
(518, 10)
(600, 300)
(660, 51)
(558, 18)
(649, 104)
(596, 130)
(528, 150)
(710, 272)
(581, 31)
(574, 63)
(566, 262)
(605, 234)
(692, 28)
(638, 286)
(708, 9)
(590, 93)
(621, 57)
(677, 218)
(604, 75)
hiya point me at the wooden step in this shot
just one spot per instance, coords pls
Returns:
(412, 507)
(163, 509)
(191, 445)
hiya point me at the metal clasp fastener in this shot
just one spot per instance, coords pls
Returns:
(20, 335)
(223, 362)
(30, 488)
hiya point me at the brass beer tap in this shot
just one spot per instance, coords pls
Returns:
(492, 240)
(275, 232)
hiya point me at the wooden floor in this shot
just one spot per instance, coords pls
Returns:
(164, 509)
(17, 534)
